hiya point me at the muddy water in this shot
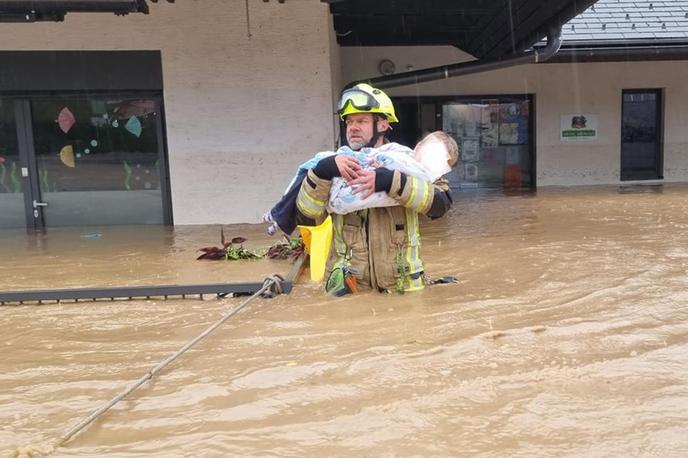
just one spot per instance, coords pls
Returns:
(567, 336)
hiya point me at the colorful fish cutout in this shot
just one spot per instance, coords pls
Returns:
(65, 120)
(134, 126)
(67, 156)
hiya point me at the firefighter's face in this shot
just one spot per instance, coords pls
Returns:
(359, 129)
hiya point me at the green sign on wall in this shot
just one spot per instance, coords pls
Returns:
(578, 127)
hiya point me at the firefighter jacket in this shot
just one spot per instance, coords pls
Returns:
(381, 246)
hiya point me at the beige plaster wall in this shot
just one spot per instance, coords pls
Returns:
(593, 88)
(241, 111)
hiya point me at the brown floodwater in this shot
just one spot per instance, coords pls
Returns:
(566, 336)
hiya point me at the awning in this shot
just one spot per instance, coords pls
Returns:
(55, 10)
(482, 28)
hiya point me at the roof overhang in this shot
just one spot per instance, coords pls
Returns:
(482, 28)
(55, 10)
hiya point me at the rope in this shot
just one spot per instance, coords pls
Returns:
(275, 288)
(271, 287)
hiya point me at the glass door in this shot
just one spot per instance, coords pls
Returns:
(641, 135)
(12, 210)
(99, 159)
(82, 160)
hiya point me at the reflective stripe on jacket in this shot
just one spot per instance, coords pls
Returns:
(380, 245)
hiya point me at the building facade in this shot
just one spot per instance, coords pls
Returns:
(200, 116)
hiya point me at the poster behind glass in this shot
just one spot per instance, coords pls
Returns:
(494, 138)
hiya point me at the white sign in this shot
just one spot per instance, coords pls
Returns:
(578, 127)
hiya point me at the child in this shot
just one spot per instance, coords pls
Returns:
(433, 157)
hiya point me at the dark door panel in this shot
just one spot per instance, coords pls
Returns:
(641, 135)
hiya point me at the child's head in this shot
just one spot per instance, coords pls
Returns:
(438, 153)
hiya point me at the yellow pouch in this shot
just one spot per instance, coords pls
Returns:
(317, 241)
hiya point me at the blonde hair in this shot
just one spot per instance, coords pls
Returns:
(449, 143)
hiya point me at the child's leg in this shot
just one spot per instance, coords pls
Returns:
(284, 211)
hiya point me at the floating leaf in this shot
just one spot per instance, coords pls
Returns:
(239, 240)
(67, 156)
(65, 119)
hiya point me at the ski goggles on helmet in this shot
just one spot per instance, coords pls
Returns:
(357, 98)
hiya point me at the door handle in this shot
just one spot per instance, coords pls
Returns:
(39, 204)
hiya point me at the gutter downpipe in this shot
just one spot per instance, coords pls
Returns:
(467, 68)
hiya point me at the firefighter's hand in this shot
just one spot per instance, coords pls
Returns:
(349, 168)
(364, 185)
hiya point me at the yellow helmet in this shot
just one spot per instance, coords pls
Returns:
(363, 98)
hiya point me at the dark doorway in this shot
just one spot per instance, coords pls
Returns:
(641, 134)
(416, 119)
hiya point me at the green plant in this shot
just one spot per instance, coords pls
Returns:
(229, 251)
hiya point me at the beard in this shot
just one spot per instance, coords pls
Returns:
(356, 144)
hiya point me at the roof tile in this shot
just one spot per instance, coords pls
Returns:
(635, 20)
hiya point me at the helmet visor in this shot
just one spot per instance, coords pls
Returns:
(357, 98)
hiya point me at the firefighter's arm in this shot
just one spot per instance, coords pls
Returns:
(431, 199)
(311, 202)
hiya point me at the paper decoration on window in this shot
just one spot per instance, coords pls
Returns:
(43, 181)
(14, 176)
(94, 143)
(67, 156)
(65, 120)
(513, 155)
(508, 133)
(134, 126)
(470, 149)
(127, 176)
(131, 108)
(490, 136)
(87, 151)
(471, 171)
